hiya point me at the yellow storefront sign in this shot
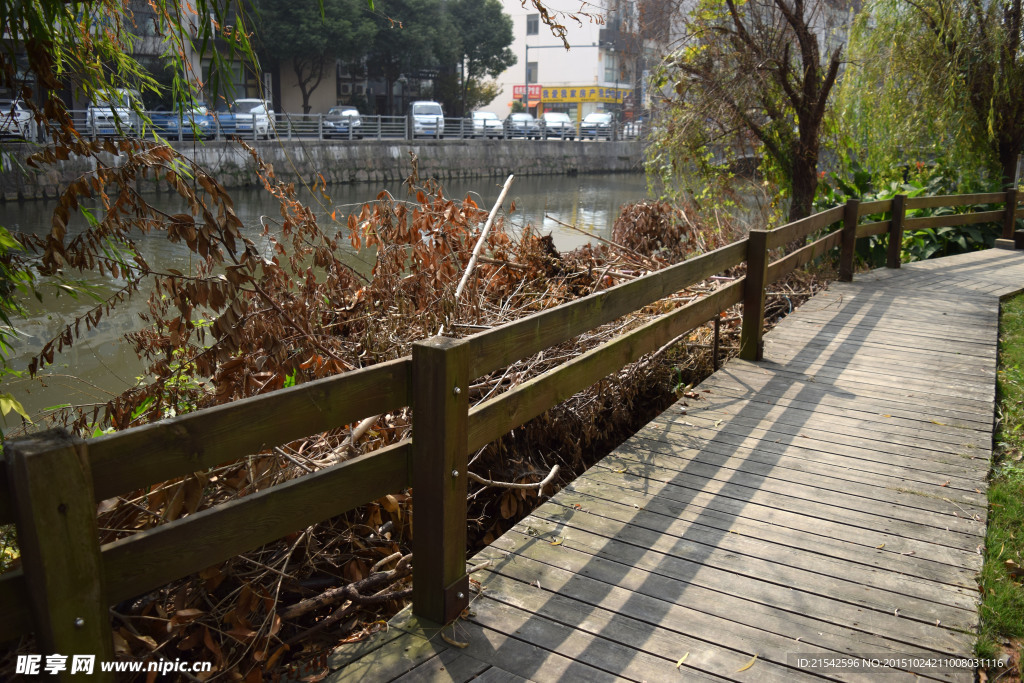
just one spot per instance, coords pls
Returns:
(590, 93)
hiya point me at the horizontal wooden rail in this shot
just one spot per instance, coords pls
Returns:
(490, 420)
(781, 236)
(953, 219)
(875, 228)
(178, 446)
(501, 346)
(955, 200)
(157, 556)
(878, 206)
(790, 262)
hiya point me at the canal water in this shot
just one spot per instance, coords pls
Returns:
(103, 363)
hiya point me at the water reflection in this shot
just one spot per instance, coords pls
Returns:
(103, 363)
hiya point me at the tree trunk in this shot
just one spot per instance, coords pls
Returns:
(805, 186)
(1008, 162)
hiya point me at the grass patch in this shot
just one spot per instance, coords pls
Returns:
(1002, 608)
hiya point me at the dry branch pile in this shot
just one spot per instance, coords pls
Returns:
(250, 320)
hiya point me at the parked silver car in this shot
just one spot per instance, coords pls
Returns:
(114, 113)
(342, 122)
(558, 125)
(596, 125)
(522, 125)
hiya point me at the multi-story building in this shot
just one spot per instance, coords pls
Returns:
(600, 72)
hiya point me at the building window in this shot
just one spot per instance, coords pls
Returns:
(610, 68)
(531, 72)
(532, 24)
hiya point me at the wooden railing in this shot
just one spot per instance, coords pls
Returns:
(68, 580)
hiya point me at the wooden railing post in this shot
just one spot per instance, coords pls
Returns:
(440, 380)
(55, 510)
(751, 346)
(1010, 217)
(849, 242)
(895, 246)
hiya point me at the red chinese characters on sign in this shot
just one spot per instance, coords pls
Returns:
(535, 90)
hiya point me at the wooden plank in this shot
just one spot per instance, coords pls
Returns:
(154, 557)
(589, 553)
(489, 420)
(956, 517)
(719, 618)
(440, 589)
(914, 342)
(773, 530)
(982, 336)
(791, 262)
(501, 346)
(955, 200)
(938, 485)
(849, 396)
(604, 650)
(953, 529)
(58, 538)
(389, 658)
(709, 506)
(769, 633)
(836, 371)
(875, 228)
(878, 206)
(759, 560)
(918, 500)
(194, 442)
(751, 347)
(945, 342)
(953, 464)
(450, 666)
(849, 418)
(651, 633)
(911, 224)
(710, 444)
(799, 229)
(496, 675)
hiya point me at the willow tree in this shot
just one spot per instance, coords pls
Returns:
(937, 79)
(747, 80)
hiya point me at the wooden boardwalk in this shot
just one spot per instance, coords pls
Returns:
(826, 502)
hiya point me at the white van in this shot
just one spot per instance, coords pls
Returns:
(427, 118)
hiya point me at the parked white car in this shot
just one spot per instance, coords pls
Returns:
(427, 118)
(486, 124)
(250, 113)
(15, 119)
(114, 113)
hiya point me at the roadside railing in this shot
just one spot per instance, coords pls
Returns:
(289, 126)
(53, 481)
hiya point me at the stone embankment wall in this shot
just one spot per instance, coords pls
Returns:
(351, 161)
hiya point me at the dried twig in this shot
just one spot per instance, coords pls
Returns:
(511, 485)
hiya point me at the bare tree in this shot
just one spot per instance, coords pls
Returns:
(747, 80)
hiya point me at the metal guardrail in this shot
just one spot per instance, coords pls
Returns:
(288, 126)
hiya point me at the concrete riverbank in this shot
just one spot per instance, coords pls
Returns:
(339, 162)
